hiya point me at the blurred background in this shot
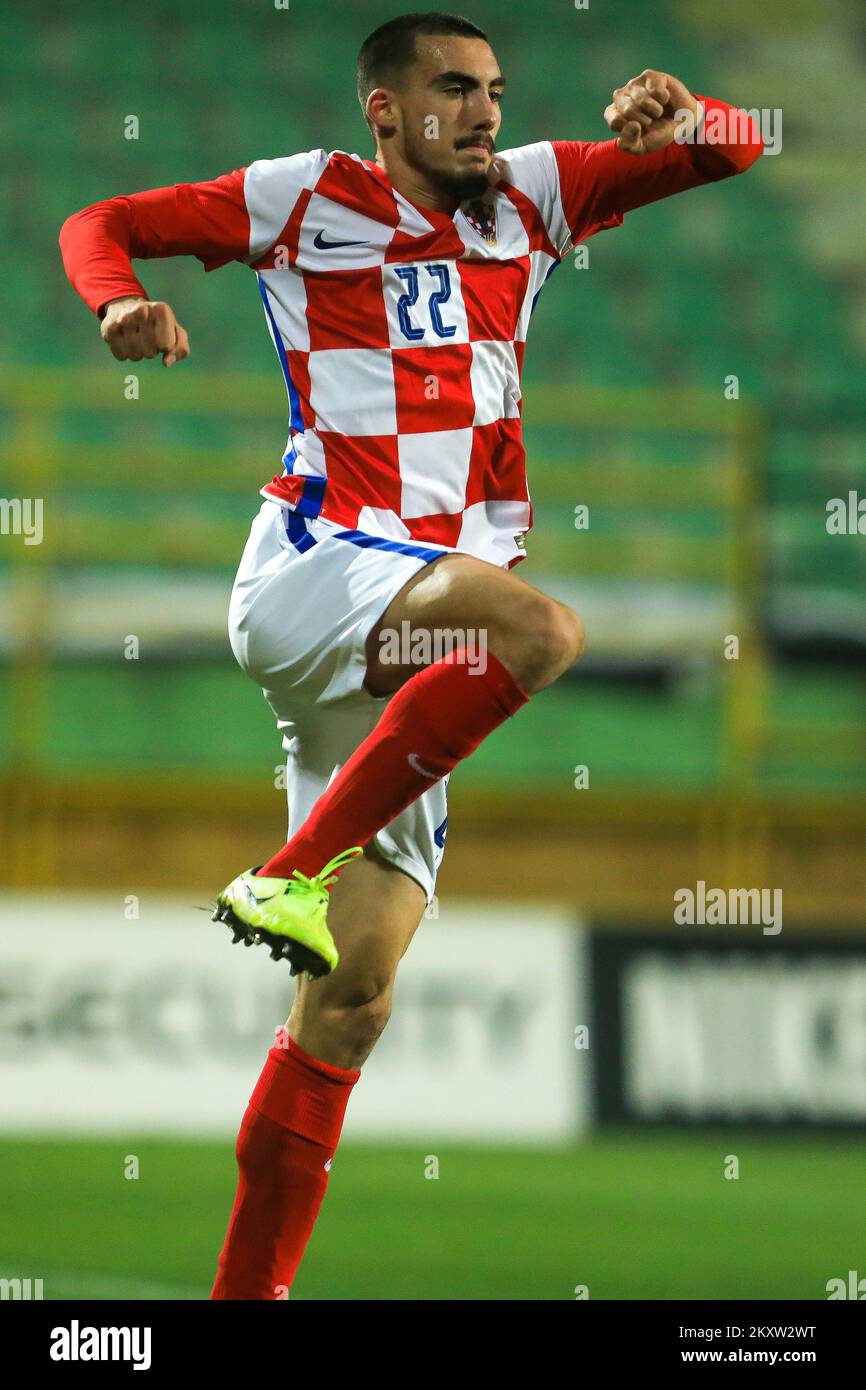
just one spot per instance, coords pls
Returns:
(569, 1074)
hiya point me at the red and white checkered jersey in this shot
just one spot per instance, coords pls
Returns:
(401, 334)
(400, 330)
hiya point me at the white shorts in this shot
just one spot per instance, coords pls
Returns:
(305, 598)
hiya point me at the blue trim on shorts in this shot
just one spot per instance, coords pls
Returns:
(296, 530)
(309, 504)
(421, 552)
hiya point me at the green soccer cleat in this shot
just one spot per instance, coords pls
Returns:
(289, 914)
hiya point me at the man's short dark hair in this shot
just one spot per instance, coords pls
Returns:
(390, 49)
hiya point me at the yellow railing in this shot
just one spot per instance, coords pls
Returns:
(38, 405)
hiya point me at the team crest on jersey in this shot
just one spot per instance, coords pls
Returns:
(482, 216)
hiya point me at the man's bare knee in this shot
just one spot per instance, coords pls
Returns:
(357, 1024)
(572, 636)
(547, 640)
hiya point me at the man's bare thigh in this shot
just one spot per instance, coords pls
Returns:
(460, 593)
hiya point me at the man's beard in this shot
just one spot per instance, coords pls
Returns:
(453, 183)
(461, 186)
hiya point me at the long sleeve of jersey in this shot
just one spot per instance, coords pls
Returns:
(208, 220)
(599, 183)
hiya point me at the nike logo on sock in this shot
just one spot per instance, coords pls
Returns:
(416, 766)
(322, 245)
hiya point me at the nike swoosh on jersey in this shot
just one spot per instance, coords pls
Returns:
(414, 763)
(321, 245)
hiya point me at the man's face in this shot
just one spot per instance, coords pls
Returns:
(447, 113)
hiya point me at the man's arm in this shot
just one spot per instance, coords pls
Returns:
(236, 217)
(601, 181)
(207, 220)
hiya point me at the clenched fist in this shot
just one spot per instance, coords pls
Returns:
(137, 328)
(643, 111)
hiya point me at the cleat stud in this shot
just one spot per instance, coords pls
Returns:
(248, 941)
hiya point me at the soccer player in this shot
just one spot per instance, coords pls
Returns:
(398, 292)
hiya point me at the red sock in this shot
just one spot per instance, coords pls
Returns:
(434, 721)
(287, 1140)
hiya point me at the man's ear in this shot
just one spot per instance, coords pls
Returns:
(379, 111)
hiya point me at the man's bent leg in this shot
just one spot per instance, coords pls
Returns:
(373, 913)
(292, 1126)
(441, 714)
